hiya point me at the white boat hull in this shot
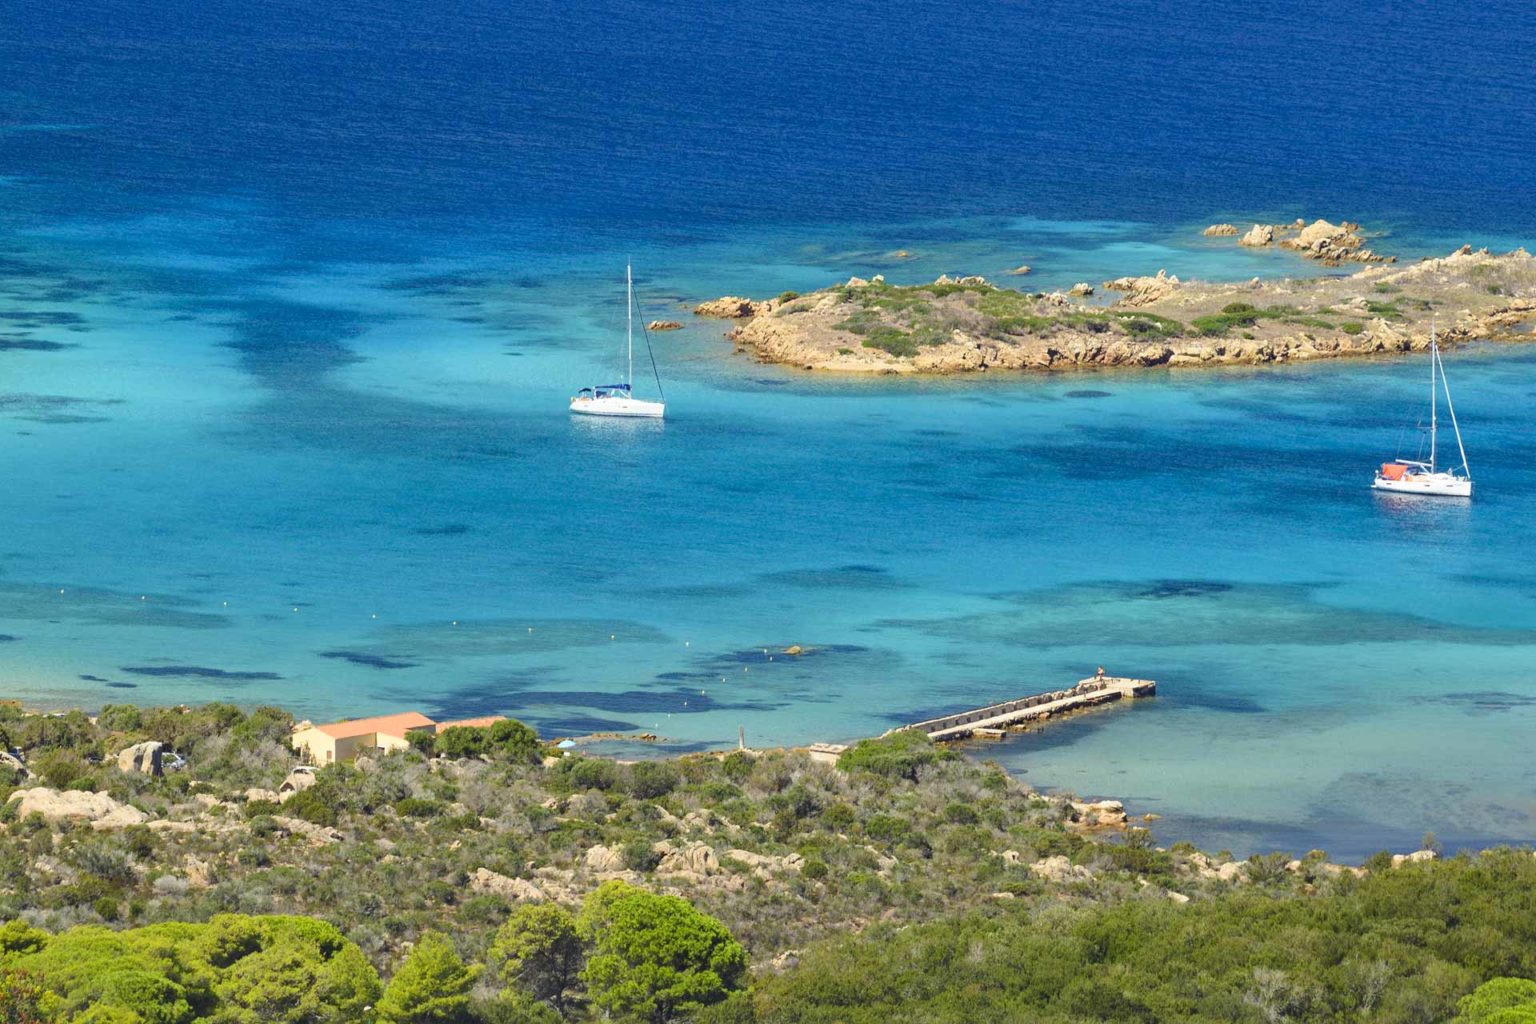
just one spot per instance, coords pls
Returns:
(610, 405)
(1439, 485)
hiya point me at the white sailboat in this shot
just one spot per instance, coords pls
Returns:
(1405, 476)
(619, 399)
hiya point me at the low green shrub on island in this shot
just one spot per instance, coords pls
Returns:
(902, 320)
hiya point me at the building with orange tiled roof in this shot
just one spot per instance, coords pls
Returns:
(342, 741)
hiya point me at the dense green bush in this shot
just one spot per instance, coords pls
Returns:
(432, 985)
(310, 805)
(539, 950)
(61, 768)
(579, 773)
(897, 755)
(1400, 946)
(506, 740)
(651, 779)
(655, 957)
(640, 856)
(1500, 1001)
(235, 968)
(416, 807)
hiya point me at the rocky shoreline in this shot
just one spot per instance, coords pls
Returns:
(968, 324)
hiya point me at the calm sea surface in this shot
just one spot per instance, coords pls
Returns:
(292, 296)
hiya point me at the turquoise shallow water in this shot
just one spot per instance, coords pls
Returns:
(292, 295)
(347, 486)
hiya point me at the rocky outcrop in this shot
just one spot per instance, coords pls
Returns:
(1219, 230)
(1144, 291)
(970, 280)
(295, 781)
(97, 809)
(318, 835)
(729, 307)
(765, 866)
(602, 859)
(1329, 243)
(1230, 872)
(1101, 814)
(143, 758)
(694, 860)
(1082, 288)
(785, 961)
(1333, 244)
(13, 764)
(1417, 856)
(1258, 236)
(517, 890)
(1020, 270)
(1060, 869)
(663, 325)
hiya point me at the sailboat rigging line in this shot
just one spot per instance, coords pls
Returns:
(646, 334)
(1446, 386)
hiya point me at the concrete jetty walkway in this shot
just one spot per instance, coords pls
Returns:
(998, 717)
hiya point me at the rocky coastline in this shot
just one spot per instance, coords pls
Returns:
(969, 324)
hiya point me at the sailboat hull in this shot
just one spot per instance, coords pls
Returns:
(1434, 485)
(610, 405)
(1404, 476)
(617, 400)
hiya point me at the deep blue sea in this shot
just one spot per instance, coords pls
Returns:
(292, 296)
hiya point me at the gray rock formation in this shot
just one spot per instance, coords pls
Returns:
(1258, 236)
(98, 809)
(14, 764)
(601, 859)
(1143, 291)
(1060, 869)
(729, 307)
(692, 859)
(518, 890)
(143, 758)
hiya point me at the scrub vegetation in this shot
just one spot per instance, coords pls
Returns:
(485, 878)
(902, 319)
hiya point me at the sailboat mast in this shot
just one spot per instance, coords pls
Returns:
(629, 327)
(1434, 358)
(1446, 384)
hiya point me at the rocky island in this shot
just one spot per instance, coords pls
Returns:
(968, 324)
